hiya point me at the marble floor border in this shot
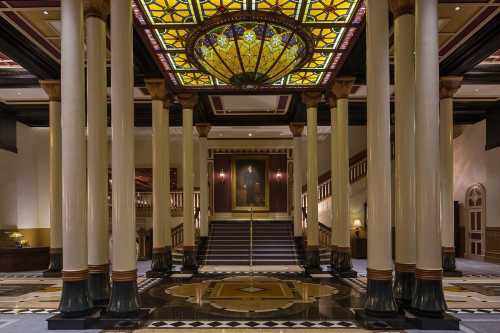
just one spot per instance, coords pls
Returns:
(252, 324)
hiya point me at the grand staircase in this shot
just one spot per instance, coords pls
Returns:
(251, 243)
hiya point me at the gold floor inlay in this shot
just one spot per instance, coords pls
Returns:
(251, 293)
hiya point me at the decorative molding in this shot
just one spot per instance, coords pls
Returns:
(449, 85)
(203, 129)
(296, 129)
(52, 88)
(94, 269)
(96, 8)
(405, 268)
(156, 88)
(429, 274)
(332, 100)
(124, 276)
(342, 86)
(188, 101)
(402, 7)
(74, 276)
(379, 274)
(311, 99)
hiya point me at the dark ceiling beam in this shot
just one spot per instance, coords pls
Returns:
(18, 81)
(465, 112)
(483, 74)
(144, 65)
(474, 50)
(20, 49)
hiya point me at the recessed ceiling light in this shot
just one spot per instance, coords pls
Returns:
(457, 8)
(19, 93)
(476, 90)
(220, 134)
(250, 134)
(45, 12)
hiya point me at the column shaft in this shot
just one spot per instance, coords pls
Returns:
(333, 174)
(428, 297)
(405, 213)
(75, 298)
(341, 187)
(124, 298)
(297, 188)
(203, 186)
(312, 251)
(379, 291)
(97, 167)
(187, 185)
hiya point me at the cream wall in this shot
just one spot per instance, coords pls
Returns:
(493, 187)
(469, 159)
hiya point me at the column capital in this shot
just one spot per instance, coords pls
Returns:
(156, 88)
(332, 100)
(402, 7)
(52, 88)
(448, 86)
(203, 129)
(96, 8)
(342, 86)
(311, 98)
(188, 101)
(297, 129)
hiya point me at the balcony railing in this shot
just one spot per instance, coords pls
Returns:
(144, 203)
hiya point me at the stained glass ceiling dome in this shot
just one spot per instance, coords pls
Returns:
(166, 26)
(249, 49)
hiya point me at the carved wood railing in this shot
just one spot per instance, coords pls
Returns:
(144, 203)
(325, 232)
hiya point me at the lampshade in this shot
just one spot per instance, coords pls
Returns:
(249, 49)
(357, 223)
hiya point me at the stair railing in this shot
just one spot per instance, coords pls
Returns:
(251, 240)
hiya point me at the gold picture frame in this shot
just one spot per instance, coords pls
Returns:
(236, 205)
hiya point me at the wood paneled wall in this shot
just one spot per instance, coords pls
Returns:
(278, 198)
(492, 244)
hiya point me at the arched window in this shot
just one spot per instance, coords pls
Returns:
(475, 200)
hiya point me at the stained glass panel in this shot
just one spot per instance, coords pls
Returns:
(194, 79)
(289, 8)
(320, 60)
(327, 38)
(169, 11)
(329, 11)
(172, 39)
(209, 8)
(304, 78)
(180, 61)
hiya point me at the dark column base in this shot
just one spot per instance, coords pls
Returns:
(75, 298)
(99, 289)
(343, 263)
(312, 264)
(124, 301)
(428, 298)
(299, 245)
(371, 322)
(404, 284)
(168, 259)
(449, 263)
(379, 297)
(159, 264)
(333, 259)
(201, 247)
(189, 264)
(445, 323)
(109, 321)
(55, 264)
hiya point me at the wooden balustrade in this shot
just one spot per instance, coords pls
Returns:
(144, 203)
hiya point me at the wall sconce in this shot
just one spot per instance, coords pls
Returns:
(279, 175)
(222, 176)
(357, 225)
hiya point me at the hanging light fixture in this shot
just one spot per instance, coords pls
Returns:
(249, 49)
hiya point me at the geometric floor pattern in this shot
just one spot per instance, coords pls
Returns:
(252, 324)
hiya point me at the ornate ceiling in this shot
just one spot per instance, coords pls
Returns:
(166, 24)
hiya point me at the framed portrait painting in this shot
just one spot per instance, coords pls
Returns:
(250, 185)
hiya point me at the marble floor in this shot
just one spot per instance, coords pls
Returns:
(238, 299)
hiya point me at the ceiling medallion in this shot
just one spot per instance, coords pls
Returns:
(249, 49)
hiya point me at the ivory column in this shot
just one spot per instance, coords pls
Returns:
(428, 298)
(75, 298)
(161, 170)
(124, 297)
(311, 100)
(340, 175)
(96, 13)
(404, 115)
(53, 90)
(332, 101)
(379, 296)
(203, 130)
(188, 102)
(297, 129)
(448, 87)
